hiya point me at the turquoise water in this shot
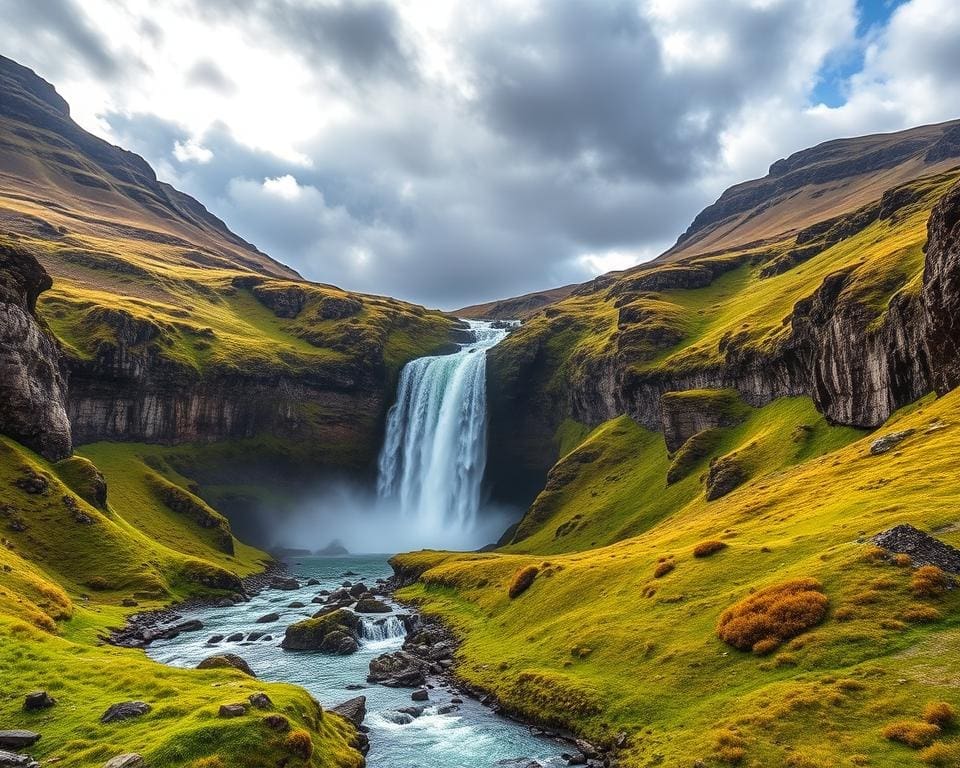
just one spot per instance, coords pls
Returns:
(472, 736)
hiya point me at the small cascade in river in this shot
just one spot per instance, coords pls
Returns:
(435, 450)
(377, 630)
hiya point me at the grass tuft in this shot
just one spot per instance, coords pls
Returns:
(522, 580)
(708, 547)
(775, 614)
(912, 733)
(930, 581)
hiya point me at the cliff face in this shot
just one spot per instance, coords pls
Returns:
(173, 328)
(872, 328)
(33, 388)
(130, 390)
(941, 293)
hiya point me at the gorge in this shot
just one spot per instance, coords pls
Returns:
(680, 514)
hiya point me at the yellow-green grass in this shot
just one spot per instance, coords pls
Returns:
(135, 547)
(62, 582)
(739, 306)
(597, 643)
(205, 323)
(183, 727)
(614, 484)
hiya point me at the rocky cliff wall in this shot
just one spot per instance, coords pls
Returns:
(857, 368)
(33, 388)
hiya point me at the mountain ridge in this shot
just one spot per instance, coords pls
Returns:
(32, 106)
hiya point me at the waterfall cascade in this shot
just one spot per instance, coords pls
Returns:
(435, 449)
(377, 630)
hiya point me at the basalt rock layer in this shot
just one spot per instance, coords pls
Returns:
(867, 317)
(33, 387)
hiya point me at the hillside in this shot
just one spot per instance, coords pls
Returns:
(517, 308)
(174, 330)
(828, 310)
(741, 437)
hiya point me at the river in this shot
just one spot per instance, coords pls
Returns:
(470, 737)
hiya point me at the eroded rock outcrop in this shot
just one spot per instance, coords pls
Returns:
(857, 362)
(941, 292)
(33, 384)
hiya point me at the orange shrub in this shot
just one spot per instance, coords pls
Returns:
(912, 733)
(709, 547)
(299, 743)
(730, 747)
(939, 713)
(904, 561)
(938, 753)
(929, 581)
(921, 614)
(765, 619)
(663, 568)
(522, 580)
(874, 555)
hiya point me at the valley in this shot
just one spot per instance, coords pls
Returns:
(723, 481)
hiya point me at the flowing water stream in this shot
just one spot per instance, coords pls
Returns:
(431, 469)
(470, 737)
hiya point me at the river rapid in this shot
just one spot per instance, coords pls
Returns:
(469, 737)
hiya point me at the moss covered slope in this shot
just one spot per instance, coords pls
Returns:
(623, 637)
(81, 550)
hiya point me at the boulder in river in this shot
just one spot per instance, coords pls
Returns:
(236, 637)
(268, 618)
(336, 632)
(13, 760)
(371, 605)
(397, 670)
(38, 700)
(226, 661)
(214, 639)
(168, 633)
(354, 710)
(421, 694)
(359, 589)
(284, 583)
(18, 739)
(124, 711)
(397, 717)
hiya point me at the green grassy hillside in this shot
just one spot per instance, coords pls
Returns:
(623, 637)
(612, 345)
(155, 295)
(69, 563)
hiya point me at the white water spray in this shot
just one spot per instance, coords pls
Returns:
(378, 630)
(435, 449)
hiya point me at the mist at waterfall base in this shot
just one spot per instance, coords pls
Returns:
(430, 472)
(356, 517)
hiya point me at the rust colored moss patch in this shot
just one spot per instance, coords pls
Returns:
(763, 620)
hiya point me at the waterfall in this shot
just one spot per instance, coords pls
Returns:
(435, 449)
(377, 630)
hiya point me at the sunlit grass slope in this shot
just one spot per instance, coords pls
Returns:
(613, 485)
(67, 564)
(675, 330)
(624, 637)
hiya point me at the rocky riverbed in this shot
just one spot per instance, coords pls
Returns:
(389, 671)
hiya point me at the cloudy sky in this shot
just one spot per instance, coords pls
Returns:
(453, 152)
